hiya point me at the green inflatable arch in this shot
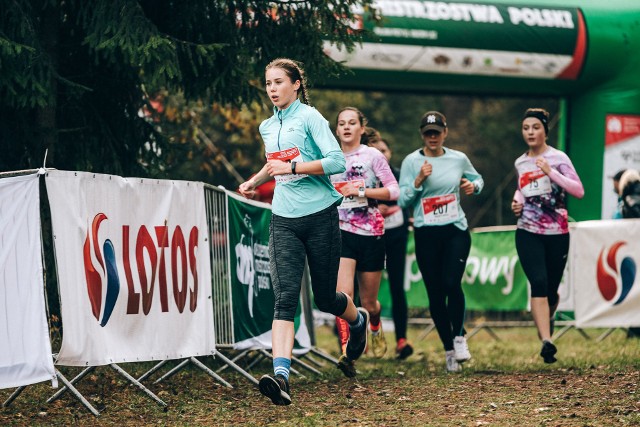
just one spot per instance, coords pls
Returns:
(586, 52)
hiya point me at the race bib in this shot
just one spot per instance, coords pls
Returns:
(534, 183)
(351, 201)
(288, 155)
(394, 220)
(440, 209)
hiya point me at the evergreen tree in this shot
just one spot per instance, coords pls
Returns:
(76, 74)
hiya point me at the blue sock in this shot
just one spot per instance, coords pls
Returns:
(281, 366)
(358, 323)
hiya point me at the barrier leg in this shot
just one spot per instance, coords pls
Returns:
(256, 359)
(566, 329)
(209, 372)
(152, 370)
(605, 334)
(305, 365)
(313, 360)
(236, 367)
(426, 331)
(77, 378)
(235, 359)
(69, 386)
(13, 396)
(172, 372)
(486, 328)
(324, 355)
(138, 384)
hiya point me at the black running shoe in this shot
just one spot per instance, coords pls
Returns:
(404, 350)
(275, 388)
(358, 339)
(548, 352)
(347, 366)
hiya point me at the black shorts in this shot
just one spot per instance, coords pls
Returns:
(368, 251)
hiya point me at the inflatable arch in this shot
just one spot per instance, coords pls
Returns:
(586, 52)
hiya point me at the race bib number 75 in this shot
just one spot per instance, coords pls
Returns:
(534, 183)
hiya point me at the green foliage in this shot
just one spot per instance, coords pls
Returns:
(76, 74)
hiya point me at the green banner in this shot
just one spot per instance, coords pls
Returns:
(493, 279)
(493, 27)
(251, 287)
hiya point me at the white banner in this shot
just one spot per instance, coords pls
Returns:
(25, 350)
(605, 257)
(133, 268)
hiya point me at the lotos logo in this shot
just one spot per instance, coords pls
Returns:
(168, 261)
(94, 278)
(609, 274)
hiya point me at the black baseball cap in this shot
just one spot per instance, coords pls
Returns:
(618, 175)
(433, 120)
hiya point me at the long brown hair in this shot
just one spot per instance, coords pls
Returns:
(370, 134)
(294, 70)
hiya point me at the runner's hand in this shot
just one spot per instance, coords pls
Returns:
(542, 163)
(425, 171)
(247, 189)
(467, 186)
(278, 167)
(516, 208)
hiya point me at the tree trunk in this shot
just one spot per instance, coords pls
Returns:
(45, 117)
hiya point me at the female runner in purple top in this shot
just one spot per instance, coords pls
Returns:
(545, 176)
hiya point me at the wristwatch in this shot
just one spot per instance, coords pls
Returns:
(361, 192)
(293, 167)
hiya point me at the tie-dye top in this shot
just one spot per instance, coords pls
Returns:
(367, 164)
(544, 197)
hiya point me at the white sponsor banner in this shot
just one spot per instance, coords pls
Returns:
(604, 271)
(397, 57)
(133, 268)
(25, 350)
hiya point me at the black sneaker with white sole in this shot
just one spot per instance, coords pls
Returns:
(275, 388)
(548, 352)
(358, 339)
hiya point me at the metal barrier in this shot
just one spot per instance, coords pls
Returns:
(217, 219)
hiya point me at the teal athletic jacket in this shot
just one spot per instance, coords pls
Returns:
(444, 181)
(301, 134)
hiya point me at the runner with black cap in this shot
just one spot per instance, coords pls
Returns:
(431, 179)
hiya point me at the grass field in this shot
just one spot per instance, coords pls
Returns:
(505, 384)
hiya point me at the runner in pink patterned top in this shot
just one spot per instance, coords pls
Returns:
(366, 164)
(545, 176)
(362, 224)
(544, 187)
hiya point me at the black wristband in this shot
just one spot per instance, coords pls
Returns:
(293, 168)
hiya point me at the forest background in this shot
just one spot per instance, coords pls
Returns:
(162, 89)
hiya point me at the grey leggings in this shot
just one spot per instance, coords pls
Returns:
(316, 236)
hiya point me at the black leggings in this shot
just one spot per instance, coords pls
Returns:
(395, 241)
(442, 252)
(543, 258)
(316, 237)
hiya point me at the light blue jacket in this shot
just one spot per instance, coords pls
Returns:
(303, 127)
(445, 177)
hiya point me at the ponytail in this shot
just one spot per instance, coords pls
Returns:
(294, 70)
